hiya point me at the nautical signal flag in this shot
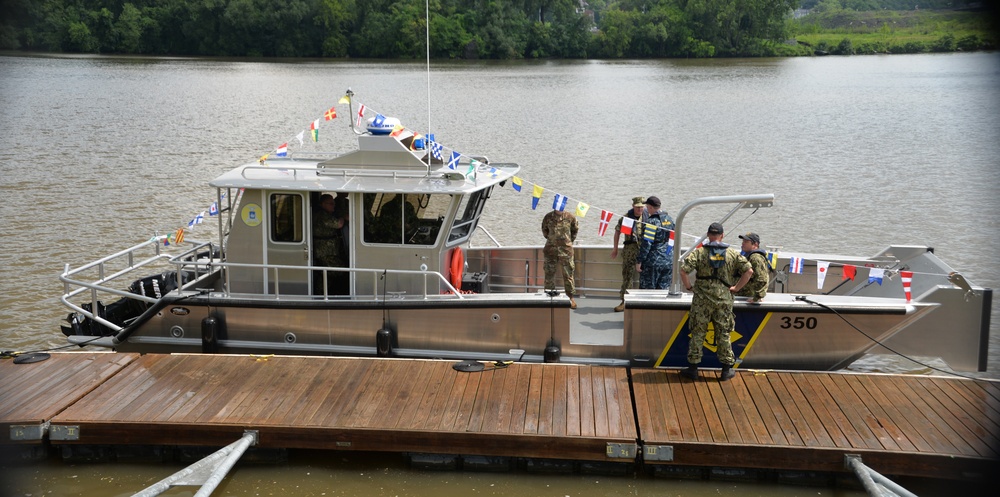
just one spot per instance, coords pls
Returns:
(282, 150)
(649, 232)
(795, 265)
(907, 277)
(875, 275)
(536, 195)
(436, 148)
(559, 202)
(361, 115)
(772, 259)
(849, 272)
(670, 242)
(300, 137)
(822, 267)
(379, 119)
(627, 224)
(581, 209)
(606, 217)
(213, 209)
(314, 130)
(453, 162)
(179, 235)
(516, 183)
(344, 100)
(330, 114)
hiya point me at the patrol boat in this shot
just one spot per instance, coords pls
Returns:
(416, 286)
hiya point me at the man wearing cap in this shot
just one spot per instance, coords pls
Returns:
(654, 265)
(757, 287)
(630, 251)
(560, 229)
(716, 265)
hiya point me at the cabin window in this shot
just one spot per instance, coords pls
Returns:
(468, 215)
(411, 218)
(286, 217)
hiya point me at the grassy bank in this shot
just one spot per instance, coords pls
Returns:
(848, 32)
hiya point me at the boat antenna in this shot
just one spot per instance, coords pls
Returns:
(427, 35)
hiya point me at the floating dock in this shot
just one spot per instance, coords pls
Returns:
(801, 421)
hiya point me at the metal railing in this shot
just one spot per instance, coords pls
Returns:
(271, 273)
(197, 264)
(115, 267)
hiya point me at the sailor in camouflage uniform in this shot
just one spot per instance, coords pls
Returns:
(716, 265)
(756, 289)
(654, 266)
(559, 229)
(328, 246)
(630, 251)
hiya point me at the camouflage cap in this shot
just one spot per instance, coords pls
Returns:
(638, 201)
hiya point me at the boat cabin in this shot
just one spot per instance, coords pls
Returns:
(393, 219)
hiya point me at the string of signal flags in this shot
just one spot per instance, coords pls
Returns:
(559, 201)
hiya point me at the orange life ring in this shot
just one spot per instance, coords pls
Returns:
(457, 266)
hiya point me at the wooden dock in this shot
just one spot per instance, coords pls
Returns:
(899, 425)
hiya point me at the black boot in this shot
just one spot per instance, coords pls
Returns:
(691, 372)
(727, 373)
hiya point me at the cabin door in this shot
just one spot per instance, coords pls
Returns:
(287, 244)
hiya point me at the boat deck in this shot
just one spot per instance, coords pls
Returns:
(899, 425)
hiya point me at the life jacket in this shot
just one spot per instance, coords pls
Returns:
(763, 254)
(717, 260)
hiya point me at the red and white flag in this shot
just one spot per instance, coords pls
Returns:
(361, 115)
(907, 277)
(627, 224)
(605, 220)
(822, 267)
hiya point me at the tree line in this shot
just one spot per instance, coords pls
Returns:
(465, 29)
(395, 29)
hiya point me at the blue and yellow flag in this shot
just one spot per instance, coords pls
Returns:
(516, 183)
(536, 195)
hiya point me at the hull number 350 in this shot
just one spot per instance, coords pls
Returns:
(798, 322)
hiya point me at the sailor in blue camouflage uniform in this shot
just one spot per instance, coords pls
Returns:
(560, 229)
(716, 266)
(630, 251)
(655, 267)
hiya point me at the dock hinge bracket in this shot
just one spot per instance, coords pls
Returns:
(658, 452)
(28, 432)
(621, 450)
(64, 432)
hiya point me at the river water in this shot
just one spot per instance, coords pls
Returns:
(99, 153)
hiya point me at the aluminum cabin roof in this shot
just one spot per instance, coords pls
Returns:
(381, 163)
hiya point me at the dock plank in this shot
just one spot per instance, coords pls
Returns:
(741, 396)
(861, 420)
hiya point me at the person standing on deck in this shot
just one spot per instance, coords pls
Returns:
(653, 263)
(630, 251)
(560, 228)
(756, 289)
(328, 243)
(716, 266)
